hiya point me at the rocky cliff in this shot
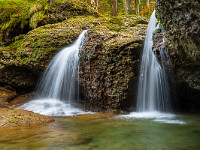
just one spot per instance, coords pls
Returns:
(181, 20)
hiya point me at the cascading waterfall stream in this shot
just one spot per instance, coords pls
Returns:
(58, 88)
(153, 90)
(153, 99)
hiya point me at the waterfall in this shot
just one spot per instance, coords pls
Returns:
(58, 88)
(153, 99)
(153, 89)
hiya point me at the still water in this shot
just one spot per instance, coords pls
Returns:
(105, 132)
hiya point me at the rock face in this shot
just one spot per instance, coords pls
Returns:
(181, 20)
(20, 100)
(18, 77)
(6, 96)
(108, 66)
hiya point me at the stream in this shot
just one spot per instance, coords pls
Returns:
(102, 131)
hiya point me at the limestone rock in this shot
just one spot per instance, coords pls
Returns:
(109, 67)
(181, 20)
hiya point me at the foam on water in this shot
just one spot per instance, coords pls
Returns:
(52, 107)
(170, 121)
(155, 116)
(149, 115)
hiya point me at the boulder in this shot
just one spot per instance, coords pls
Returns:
(181, 20)
(109, 66)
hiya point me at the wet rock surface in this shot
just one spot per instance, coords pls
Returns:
(17, 117)
(20, 100)
(109, 67)
(5, 96)
(181, 20)
(18, 77)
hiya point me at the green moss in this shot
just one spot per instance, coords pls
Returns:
(14, 120)
(14, 12)
(138, 21)
(22, 15)
(116, 21)
(40, 44)
(36, 18)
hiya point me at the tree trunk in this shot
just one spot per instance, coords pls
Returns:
(92, 1)
(114, 7)
(97, 4)
(148, 5)
(126, 7)
(137, 7)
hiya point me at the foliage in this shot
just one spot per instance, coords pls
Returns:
(20, 16)
(17, 12)
(145, 11)
(105, 7)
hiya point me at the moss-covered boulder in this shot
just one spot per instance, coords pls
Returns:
(20, 51)
(20, 16)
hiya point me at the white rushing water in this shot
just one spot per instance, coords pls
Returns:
(58, 88)
(153, 99)
(153, 89)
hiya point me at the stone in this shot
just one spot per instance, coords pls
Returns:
(6, 96)
(18, 118)
(20, 100)
(181, 20)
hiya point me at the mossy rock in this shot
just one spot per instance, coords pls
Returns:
(19, 17)
(38, 46)
(17, 118)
